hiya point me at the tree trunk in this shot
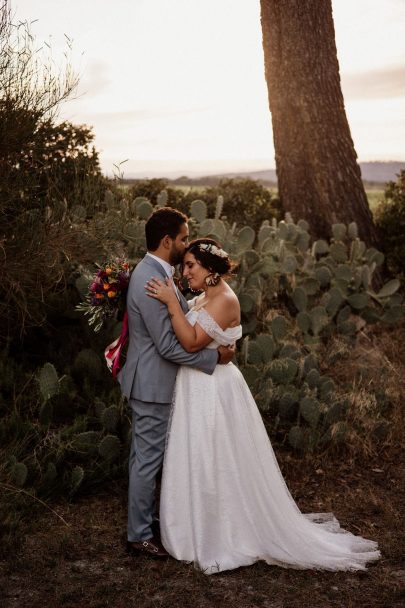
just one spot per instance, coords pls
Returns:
(318, 176)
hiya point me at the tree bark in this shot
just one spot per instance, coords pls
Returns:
(318, 175)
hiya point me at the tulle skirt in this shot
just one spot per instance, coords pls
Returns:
(224, 502)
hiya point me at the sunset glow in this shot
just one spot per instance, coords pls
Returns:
(178, 87)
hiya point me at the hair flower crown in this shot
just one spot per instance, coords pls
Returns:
(213, 249)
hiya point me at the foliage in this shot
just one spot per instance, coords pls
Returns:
(64, 438)
(390, 220)
(45, 170)
(245, 201)
(44, 163)
(74, 430)
(66, 428)
(295, 295)
(151, 189)
(63, 423)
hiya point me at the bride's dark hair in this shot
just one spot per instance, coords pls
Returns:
(210, 261)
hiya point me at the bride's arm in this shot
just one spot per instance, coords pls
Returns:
(192, 337)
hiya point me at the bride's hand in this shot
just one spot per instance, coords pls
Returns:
(163, 291)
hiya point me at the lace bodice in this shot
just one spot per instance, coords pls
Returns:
(220, 337)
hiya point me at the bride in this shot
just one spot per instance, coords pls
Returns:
(224, 502)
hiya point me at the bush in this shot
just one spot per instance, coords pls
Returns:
(246, 202)
(63, 424)
(56, 442)
(390, 220)
(151, 188)
(48, 172)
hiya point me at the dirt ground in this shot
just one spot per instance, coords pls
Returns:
(84, 563)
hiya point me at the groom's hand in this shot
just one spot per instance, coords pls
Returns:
(226, 354)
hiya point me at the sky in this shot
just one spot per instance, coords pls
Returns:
(176, 87)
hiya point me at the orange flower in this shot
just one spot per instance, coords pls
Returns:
(111, 294)
(100, 296)
(108, 270)
(106, 286)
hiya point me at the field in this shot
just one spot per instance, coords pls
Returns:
(374, 194)
(374, 197)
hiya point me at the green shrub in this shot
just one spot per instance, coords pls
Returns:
(65, 428)
(245, 202)
(49, 173)
(152, 188)
(390, 220)
(52, 454)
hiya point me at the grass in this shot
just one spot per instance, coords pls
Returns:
(374, 197)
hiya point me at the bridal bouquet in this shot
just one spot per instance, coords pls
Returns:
(107, 292)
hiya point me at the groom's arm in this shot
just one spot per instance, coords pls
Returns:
(157, 321)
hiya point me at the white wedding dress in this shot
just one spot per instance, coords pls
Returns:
(224, 502)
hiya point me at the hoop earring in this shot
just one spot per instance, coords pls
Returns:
(212, 279)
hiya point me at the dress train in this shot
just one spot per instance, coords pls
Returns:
(224, 502)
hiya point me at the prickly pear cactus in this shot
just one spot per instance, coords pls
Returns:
(296, 438)
(88, 365)
(144, 210)
(48, 381)
(162, 199)
(328, 290)
(198, 210)
(86, 443)
(76, 479)
(110, 418)
(109, 448)
(245, 239)
(219, 207)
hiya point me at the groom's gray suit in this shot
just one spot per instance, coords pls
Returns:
(147, 380)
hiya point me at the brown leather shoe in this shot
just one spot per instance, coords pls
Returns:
(150, 548)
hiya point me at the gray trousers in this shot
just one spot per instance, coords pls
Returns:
(149, 426)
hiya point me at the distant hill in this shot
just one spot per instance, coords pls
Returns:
(377, 172)
(267, 177)
(381, 172)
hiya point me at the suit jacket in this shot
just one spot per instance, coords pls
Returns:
(154, 352)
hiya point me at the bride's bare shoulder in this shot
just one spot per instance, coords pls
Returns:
(225, 298)
(224, 308)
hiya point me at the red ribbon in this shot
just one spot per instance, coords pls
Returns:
(113, 351)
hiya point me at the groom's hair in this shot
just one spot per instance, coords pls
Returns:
(162, 222)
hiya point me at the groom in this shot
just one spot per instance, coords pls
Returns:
(149, 374)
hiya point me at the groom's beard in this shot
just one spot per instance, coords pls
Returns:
(176, 257)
